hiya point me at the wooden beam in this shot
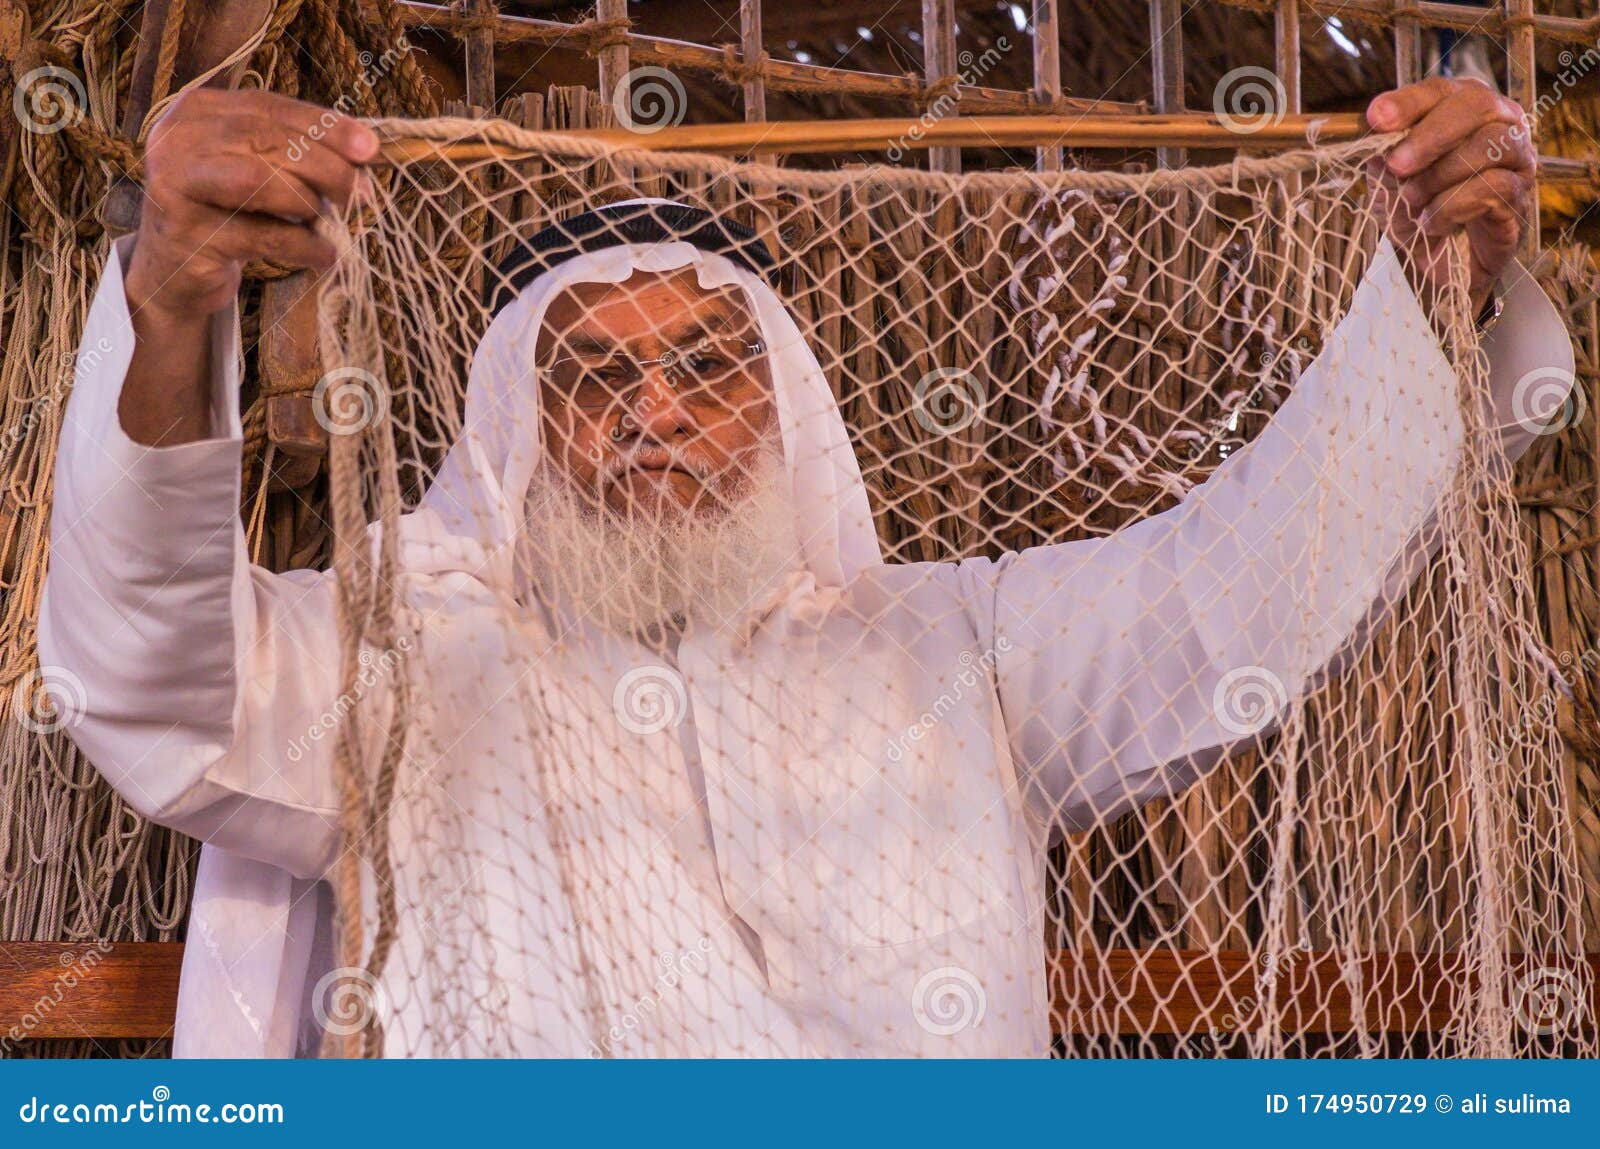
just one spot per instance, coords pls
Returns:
(1522, 85)
(614, 58)
(1166, 61)
(1195, 991)
(751, 48)
(88, 989)
(478, 42)
(825, 136)
(939, 64)
(130, 989)
(1047, 71)
(1407, 51)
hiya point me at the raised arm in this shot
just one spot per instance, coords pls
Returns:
(207, 683)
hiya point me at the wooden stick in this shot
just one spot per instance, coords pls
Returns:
(939, 63)
(1522, 85)
(1166, 60)
(1047, 71)
(479, 43)
(1197, 130)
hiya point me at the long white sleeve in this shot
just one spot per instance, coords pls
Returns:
(1117, 650)
(181, 647)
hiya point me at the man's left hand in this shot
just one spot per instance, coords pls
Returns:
(1467, 162)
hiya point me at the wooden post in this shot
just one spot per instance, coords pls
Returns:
(1407, 51)
(1166, 54)
(121, 212)
(755, 85)
(613, 59)
(1047, 72)
(939, 61)
(1286, 43)
(479, 43)
(1522, 85)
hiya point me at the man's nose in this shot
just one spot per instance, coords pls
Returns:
(657, 407)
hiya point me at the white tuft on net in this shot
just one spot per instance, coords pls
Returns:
(881, 613)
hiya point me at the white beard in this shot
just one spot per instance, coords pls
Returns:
(659, 569)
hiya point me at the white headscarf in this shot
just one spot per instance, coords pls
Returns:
(479, 491)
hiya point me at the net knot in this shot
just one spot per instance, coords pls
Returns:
(944, 86)
(471, 17)
(598, 35)
(735, 70)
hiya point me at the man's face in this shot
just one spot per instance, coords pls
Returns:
(655, 392)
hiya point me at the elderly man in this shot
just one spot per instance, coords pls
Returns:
(653, 479)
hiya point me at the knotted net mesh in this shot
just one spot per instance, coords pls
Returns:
(874, 612)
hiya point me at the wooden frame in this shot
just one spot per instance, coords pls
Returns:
(131, 991)
(758, 74)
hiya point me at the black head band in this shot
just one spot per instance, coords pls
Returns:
(620, 224)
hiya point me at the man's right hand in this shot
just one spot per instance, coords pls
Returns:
(229, 177)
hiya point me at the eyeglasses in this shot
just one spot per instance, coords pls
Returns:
(706, 375)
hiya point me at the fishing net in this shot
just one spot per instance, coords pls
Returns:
(872, 612)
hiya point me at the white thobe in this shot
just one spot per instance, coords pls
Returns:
(815, 891)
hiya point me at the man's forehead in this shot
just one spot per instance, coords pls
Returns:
(646, 303)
